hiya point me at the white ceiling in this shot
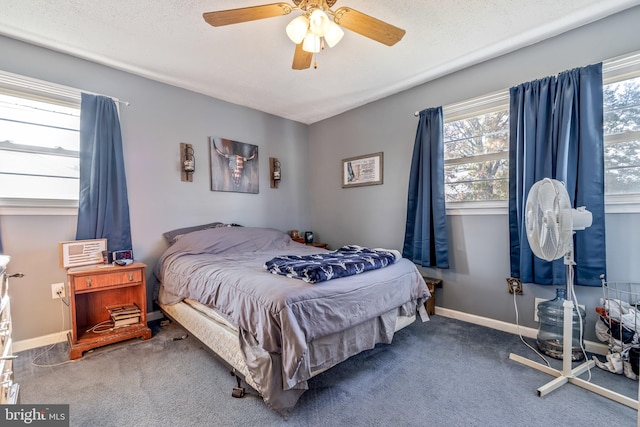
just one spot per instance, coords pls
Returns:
(250, 63)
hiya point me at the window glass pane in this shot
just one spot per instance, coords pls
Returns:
(477, 181)
(622, 167)
(19, 163)
(622, 106)
(484, 134)
(25, 121)
(485, 140)
(482, 190)
(39, 147)
(39, 136)
(486, 144)
(621, 119)
(623, 181)
(35, 187)
(621, 94)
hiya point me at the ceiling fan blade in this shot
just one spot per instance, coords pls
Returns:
(368, 26)
(244, 14)
(301, 58)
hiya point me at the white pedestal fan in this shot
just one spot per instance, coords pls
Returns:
(550, 224)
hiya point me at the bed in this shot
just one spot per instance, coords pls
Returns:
(276, 331)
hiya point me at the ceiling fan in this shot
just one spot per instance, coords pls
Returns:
(317, 24)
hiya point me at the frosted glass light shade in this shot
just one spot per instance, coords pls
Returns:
(311, 43)
(297, 29)
(319, 23)
(334, 34)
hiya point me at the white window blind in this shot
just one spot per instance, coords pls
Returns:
(39, 142)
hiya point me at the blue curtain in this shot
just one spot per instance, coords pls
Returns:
(425, 240)
(556, 132)
(103, 204)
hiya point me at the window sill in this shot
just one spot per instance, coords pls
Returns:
(617, 204)
(38, 207)
(494, 207)
(614, 204)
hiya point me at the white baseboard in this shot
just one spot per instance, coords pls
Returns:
(590, 346)
(57, 337)
(28, 344)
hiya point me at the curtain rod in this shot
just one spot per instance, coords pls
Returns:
(126, 103)
(611, 70)
(18, 81)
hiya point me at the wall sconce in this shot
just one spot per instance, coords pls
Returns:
(275, 172)
(187, 162)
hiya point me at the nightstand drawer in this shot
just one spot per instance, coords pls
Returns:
(104, 280)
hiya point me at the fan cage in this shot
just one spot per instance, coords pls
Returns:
(621, 333)
(548, 200)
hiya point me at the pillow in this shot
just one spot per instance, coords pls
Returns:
(231, 240)
(173, 235)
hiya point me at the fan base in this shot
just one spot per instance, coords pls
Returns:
(330, 3)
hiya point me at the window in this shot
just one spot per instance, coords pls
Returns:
(476, 149)
(476, 141)
(622, 137)
(39, 145)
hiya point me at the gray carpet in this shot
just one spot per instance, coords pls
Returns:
(441, 373)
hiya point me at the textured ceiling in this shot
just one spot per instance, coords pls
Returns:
(250, 63)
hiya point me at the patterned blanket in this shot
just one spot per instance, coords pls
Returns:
(346, 261)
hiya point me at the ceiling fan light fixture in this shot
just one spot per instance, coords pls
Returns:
(297, 29)
(311, 43)
(319, 23)
(334, 34)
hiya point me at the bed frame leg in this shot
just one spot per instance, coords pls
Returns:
(239, 390)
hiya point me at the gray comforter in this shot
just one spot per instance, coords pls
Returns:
(277, 316)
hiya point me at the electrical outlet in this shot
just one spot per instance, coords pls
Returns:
(514, 286)
(57, 290)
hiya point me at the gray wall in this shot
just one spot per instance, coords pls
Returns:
(310, 195)
(159, 119)
(479, 244)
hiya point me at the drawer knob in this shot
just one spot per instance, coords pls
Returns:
(88, 283)
(131, 277)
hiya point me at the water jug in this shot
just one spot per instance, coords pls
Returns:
(550, 331)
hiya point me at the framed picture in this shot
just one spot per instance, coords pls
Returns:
(234, 166)
(362, 170)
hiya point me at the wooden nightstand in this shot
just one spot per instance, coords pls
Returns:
(432, 284)
(91, 290)
(317, 245)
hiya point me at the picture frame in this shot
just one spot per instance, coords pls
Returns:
(234, 166)
(363, 170)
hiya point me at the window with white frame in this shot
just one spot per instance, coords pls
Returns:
(39, 143)
(476, 149)
(476, 140)
(622, 135)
